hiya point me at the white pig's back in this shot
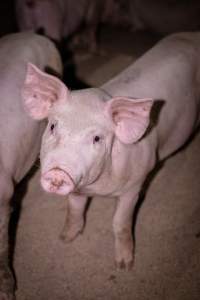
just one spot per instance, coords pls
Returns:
(169, 73)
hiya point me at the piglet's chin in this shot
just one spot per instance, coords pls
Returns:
(57, 181)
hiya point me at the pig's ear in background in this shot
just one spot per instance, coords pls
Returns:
(131, 117)
(41, 91)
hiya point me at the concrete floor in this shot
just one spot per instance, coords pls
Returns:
(167, 231)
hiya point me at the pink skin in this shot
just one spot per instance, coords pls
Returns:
(35, 14)
(98, 144)
(57, 181)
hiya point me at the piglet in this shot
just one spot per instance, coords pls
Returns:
(105, 141)
(20, 135)
(60, 19)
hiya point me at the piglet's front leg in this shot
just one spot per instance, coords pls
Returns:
(74, 223)
(122, 227)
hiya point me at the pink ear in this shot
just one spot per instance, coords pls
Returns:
(40, 91)
(130, 117)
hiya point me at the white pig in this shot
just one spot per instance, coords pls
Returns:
(20, 135)
(100, 141)
(60, 19)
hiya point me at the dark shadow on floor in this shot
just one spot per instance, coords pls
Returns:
(16, 205)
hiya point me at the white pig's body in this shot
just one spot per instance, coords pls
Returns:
(20, 135)
(21, 131)
(169, 73)
(99, 142)
(60, 19)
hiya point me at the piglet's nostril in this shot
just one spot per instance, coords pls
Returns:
(57, 181)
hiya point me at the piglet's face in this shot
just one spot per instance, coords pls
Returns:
(82, 126)
(40, 15)
(78, 137)
(76, 144)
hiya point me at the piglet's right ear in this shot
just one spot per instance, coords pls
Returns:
(41, 91)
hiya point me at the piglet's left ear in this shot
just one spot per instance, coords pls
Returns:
(130, 117)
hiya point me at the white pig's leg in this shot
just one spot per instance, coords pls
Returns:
(6, 278)
(122, 226)
(75, 217)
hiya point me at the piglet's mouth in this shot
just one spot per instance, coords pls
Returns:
(57, 181)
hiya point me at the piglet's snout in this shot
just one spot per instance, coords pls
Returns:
(57, 181)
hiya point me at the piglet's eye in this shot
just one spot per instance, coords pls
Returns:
(96, 139)
(52, 127)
